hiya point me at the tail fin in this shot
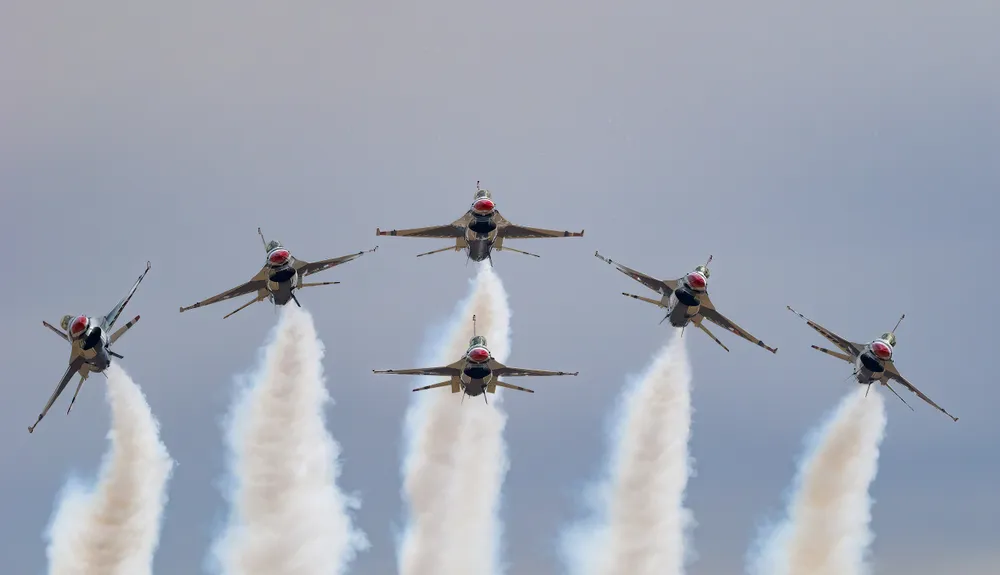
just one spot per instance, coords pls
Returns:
(121, 331)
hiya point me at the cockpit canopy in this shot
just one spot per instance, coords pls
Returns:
(480, 194)
(889, 338)
(272, 244)
(703, 270)
(479, 341)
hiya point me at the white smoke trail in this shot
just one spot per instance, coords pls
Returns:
(827, 529)
(643, 524)
(288, 517)
(115, 528)
(456, 458)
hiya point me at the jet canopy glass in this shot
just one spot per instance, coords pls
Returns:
(478, 341)
(273, 244)
(889, 338)
(703, 271)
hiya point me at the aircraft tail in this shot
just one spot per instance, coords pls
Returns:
(455, 387)
(121, 331)
(702, 327)
(492, 387)
(317, 284)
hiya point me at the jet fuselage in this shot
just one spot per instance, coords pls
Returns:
(869, 366)
(476, 374)
(479, 245)
(481, 232)
(684, 303)
(282, 278)
(87, 340)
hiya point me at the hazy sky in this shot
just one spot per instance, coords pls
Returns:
(839, 158)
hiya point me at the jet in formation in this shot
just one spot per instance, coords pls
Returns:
(480, 231)
(476, 372)
(686, 301)
(281, 275)
(872, 361)
(90, 345)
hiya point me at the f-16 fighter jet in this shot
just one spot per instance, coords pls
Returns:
(872, 361)
(279, 278)
(480, 231)
(686, 301)
(90, 345)
(475, 372)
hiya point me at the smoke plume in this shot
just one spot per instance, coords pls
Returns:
(641, 524)
(114, 528)
(456, 458)
(826, 531)
(288, 515)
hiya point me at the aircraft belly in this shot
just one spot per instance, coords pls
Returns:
(281, 293)
(479, 249)
(475, 387)
(681, 314)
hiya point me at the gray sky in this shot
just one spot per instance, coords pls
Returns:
(841, 159)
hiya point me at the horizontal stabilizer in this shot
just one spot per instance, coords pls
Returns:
(121, 331)
(711, 335)
(645, 299)
(491, 388)
(447, 249)
(56, 330)
(244, 306)
(835, 354)
(453, 383)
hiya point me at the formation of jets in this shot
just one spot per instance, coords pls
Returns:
(479, 232)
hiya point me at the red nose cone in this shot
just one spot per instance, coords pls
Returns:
(696, 280)
(79, 324)
(881, 350)
(278, 257)
(484, 206)
(479, 354)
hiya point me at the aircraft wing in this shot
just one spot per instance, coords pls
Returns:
(709, 312)
(74, 367)
(256, 282)
(851, 348)
(501, 370)
(893, 373)
(448, 370)
(664, 287)
(506, 229)
(308, 268)
(112, 316)
(455, 229)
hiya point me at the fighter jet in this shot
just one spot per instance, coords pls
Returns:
(90, 346)
(480, 231)
(686, 301)
(279, 278)
(872, 361)
(475, 372)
